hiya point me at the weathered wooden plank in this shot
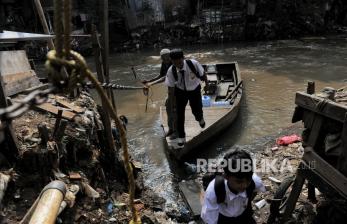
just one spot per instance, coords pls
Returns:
(326, 171)
(16, 72)
(327, 108)
(16, 83)
(105, 116)
(294, 195)
(39, 87)
(193, 194)
(315, 130)
(316, 179)
(192, 128)
(47, 107)
(12, 62)
(66, 104)
(11, 151)
(342, 163)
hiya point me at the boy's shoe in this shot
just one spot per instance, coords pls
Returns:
(181, 141)
(202, 123)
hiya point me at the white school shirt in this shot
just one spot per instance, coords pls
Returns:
(191, 81)
(234, 205)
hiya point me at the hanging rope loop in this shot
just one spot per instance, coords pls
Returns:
(67, 69)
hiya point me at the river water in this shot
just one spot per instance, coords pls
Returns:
(272, 73)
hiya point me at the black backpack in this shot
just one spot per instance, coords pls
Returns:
(219, 187)
(192, 68)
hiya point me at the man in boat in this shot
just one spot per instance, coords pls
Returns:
(228, 197)
(170, 100)
(185, 76)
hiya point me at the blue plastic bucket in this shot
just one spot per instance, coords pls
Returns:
(206, 101)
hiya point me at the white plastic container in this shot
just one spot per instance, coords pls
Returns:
(221, 104)
(206, 101)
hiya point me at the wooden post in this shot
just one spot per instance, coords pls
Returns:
(310, 87)
(43, 22)
(106, 48)
(342, 161)
(57, 122)
(99, 70)
(43, 130)
(11, 144)
(294, 195)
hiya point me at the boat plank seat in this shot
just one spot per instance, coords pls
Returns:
(223, 89)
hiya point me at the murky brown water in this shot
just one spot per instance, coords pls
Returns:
(272, 73)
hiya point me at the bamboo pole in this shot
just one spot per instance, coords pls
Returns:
(43, 22)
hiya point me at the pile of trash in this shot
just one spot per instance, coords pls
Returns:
(63, 139)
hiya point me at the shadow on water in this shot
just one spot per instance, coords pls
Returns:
(272, 73)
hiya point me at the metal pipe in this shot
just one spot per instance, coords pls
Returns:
(50, 199)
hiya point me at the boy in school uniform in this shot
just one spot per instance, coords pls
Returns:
(228, 198)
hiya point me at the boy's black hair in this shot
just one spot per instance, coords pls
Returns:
(239, 164)
(176, 54)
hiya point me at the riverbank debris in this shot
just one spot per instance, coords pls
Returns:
(70, 150)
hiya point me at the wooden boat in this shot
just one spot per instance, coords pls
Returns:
(221, 105)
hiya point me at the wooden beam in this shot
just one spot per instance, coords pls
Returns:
(99, 69)
(316, 179)
(105, 38)
(11, 151)
(16, 72)
(327, 108)
(47, 107)
(57, 122)
(68, 105)
(294, 195)
(310, 87)
(192, 193)
(106, 47)
(315, 130)
(39, 87)
(44, 134)
(327, 172)
(342, 162)
(43, 22)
